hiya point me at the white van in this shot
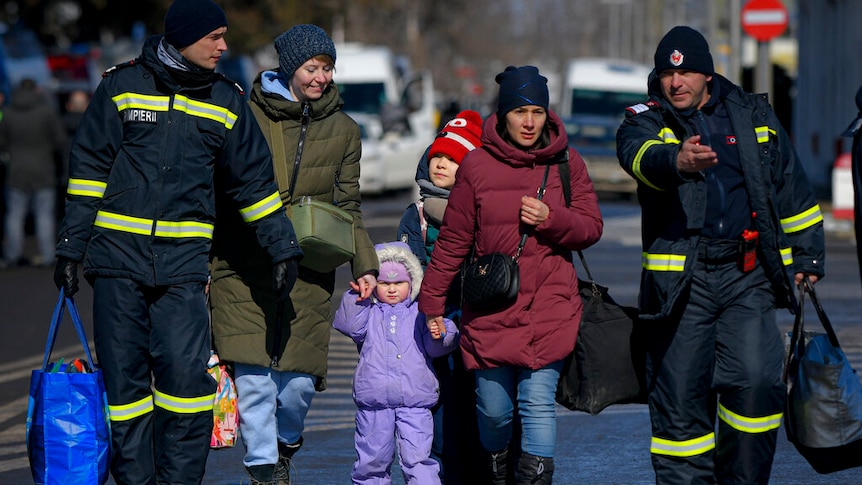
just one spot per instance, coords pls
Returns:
(603, 87)
(395, 110)
(595, 95)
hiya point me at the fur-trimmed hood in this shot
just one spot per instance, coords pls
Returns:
(399, 252)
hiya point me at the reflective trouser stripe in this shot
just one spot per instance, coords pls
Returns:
(747, 424)
(126, 412)
(692, 447)
(262, 208)
(184, 405)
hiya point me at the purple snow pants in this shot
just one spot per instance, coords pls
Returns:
(377, 431)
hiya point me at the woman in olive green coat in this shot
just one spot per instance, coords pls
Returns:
(278, 370)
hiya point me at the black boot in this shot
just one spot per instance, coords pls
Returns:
(285, 453)
(535, 470)
(262, 474)
(497, 467)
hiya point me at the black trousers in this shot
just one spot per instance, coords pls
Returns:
(721, 358)
(153, 344)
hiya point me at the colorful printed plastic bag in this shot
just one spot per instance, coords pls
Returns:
(225, 415)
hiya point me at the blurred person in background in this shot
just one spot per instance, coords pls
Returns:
(162, 136)
(298, 108)
(76, 104)
(34, 139)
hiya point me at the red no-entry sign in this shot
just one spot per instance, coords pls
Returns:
(764, 19)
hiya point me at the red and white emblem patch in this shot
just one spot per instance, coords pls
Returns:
(676, 57)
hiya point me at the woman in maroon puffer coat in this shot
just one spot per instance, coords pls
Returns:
(517, 351)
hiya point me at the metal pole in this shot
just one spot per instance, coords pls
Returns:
(763, 77)
(735, 61)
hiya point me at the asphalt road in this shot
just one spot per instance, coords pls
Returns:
(610, 448)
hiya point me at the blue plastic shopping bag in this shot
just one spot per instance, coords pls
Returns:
(68, 434)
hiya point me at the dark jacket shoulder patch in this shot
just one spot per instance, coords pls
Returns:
(119, 66)
(639, 108)
(222, 77)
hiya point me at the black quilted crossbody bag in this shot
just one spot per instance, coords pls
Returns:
(491, 282)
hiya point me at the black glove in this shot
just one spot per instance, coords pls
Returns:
(66, 275)
(284, 274)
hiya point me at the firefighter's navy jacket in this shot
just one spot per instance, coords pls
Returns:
(674, 204)
(140, 202)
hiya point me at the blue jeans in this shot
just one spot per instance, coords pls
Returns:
(272, 406)
(498, 389)
(18, 204)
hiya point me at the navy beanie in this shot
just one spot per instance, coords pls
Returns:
(521, 86)
(684, 48)
(189, 21)
(299, 44)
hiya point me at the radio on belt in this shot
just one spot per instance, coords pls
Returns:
(748, 248)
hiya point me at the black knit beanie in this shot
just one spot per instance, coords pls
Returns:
(189, 21)
(521, 86)
(299, 44)
(684, 48)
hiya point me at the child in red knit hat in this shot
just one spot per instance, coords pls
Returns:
(419, 227)
(436, 177)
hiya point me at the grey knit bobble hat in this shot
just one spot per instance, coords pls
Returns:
(299, 44)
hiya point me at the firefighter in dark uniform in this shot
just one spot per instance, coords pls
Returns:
(160, 135)
(855, 131)
(729, 225)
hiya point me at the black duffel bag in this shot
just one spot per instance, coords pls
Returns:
(608, 365)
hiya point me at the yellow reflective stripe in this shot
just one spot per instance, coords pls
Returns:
(802, 220)
(668, 136)
(87, 188)
(205, 110)
(144, 227)
(786, 256)
(762, 133)
(636, 163)
(119, 222)
(262, 208)
(184, 229)
(692, 447)
(141, 101)
(747, 424)
(126, 412)
(663, 262)
(184, 405)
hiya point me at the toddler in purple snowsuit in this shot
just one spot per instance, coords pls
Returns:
(394, 386)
